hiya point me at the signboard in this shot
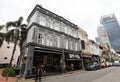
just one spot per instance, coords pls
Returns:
(73, 57)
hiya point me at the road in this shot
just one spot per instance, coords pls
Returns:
(110, 74)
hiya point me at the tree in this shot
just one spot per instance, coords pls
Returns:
(2, 36)
(16, 34)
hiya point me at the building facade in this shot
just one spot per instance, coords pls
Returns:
(112, 28)
(95, 51)
(6, 53)
(84, 43)
(52, 40)
(103, 37)
(86, 54)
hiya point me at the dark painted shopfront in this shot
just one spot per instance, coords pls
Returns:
(50, 58)
(87, 58)
(73, 61)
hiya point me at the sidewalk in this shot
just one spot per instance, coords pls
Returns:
(53, 76)
(14, 79)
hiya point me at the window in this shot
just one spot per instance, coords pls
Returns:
(76, 46)
(43, 20)
(51, 23)
(83, 44)
(56, 42)
(65, 30)
(58, 38)
(73, 45)
(50, 41)
(47, 22)
(56, 25)
(69, 31)
(66, 44)
(40, 38)
(37, 16)
(70, 45)
(74, 33)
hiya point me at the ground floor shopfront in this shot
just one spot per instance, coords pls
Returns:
(90, 59)
(51, 60)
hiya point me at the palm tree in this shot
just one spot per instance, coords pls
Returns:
(16, 34)
(2, 36)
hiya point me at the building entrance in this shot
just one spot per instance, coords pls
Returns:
(49, 62)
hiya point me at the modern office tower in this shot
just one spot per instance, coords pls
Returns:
(102, 36)
(112, 28)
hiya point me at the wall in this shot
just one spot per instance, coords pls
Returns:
(7, 52)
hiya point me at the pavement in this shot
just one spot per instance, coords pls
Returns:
(113, 76)
(15, 79)
(52, 76)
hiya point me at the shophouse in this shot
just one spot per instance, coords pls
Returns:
(95, 51)
(86, 54)
(51, 40)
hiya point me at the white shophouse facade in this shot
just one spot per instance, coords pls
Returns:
(51, 39)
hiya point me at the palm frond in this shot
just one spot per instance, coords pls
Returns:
(19, 22)
(23, 26)
(9, 37)
(11, 24)
(2, 36)
(1, 27)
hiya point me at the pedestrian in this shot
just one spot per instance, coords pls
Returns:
(39, 74)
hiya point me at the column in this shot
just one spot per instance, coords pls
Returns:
(29, 62)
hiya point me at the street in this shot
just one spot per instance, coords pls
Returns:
(110, 74)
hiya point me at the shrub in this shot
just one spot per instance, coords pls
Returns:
(8, 71)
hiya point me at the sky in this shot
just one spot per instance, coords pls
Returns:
(84, 13)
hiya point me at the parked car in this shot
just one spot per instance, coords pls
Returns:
(93, 66)
(116, 63)
(109, 64)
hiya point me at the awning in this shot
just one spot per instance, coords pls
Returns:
(86, 55)
(72, 57)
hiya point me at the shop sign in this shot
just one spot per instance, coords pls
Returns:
(72, 57)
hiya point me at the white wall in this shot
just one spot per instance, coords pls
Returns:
(7, 52)
(30, 35)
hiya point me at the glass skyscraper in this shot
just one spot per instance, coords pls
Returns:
(112, 28)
